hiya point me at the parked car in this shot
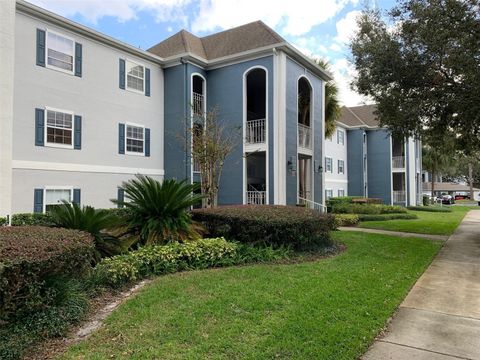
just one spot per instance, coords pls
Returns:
(447, 199)
(462, 197)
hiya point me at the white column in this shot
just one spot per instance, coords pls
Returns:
(412, 188)
(7, 59)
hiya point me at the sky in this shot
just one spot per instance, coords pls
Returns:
(319, 28)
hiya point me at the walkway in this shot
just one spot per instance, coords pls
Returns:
(440, 317)
(395, 233)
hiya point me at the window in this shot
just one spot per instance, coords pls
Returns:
(328, 165)
(341, 192)
(340, 137)
(135, 76)
(60, 52)
(135, 139)
(59, 126)
(328, 193)
(341, 167)
(54, 197)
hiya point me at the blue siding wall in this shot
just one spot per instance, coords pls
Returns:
(293, 73)
(379, 165)
(355, 162)
(225, 92)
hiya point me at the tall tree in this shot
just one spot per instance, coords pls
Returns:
(421, 65)
(332, 104)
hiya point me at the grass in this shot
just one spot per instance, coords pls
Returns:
(427, 222)
(327, 309)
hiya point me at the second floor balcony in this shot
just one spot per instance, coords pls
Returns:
(304, 136)
(198, 104)
(398, 162)
(255, 131)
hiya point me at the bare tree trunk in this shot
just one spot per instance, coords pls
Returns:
(470, 179)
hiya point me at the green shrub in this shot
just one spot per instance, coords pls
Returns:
(162, 259)
(346, 220)
(426, 200)
(430, 209)
(276, 225)
(372, 209)
(3, 221)
(32, 219)
(367, 201)
(385, 217)
(157, 212)
(31, 258)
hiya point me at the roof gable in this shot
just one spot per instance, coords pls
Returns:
(359, 116)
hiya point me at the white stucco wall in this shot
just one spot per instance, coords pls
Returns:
(335, 181)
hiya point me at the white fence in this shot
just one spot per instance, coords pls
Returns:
(304, 136)
(197, 104)
(256, 197)
(399, 196)
(255, 131)
(312, 204)
(398, 162)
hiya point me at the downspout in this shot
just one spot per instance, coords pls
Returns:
(185, 114)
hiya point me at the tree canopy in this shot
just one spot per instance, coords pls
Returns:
(420, 63)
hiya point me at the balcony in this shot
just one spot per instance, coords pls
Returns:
(255, 131)
(197, 104)
(256, 197)
(304, 136)
(196, 166)
(398, 162)
(399, 196)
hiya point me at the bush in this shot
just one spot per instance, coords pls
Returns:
(346, 220)
(367, 201)
(3, 221)
(33, 219)
(385, 217)
(372, 209)
(430, 209)
(31, 258)
(275, 225)
(426, 200)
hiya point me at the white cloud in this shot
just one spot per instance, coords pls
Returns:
(123, 10)
(335, 47)
(343, 73)
(346, 27)
(292, 17)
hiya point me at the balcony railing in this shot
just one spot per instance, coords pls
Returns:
(256, 197)
(399, 196)
(255, 131)
(197, 104)
(196, 165)
(304, 136)
(311, 204)
(398, 162)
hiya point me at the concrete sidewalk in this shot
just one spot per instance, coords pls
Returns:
(440, 317)
(395, 233)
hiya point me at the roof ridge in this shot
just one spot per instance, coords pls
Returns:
(184, 40)
(270, 30)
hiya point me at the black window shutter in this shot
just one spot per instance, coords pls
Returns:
(147, 82)
(122, 74)
(76, 196)
(40, 47)
(147, 142)
(38, 201)
(120, 197)
(77, 132)
(78, 59)
(39, 127)
(121, 138)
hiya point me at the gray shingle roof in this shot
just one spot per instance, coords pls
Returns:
(237, 40)
(358, 116)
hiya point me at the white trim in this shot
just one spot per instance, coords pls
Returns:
(129, 60)
(204, 89)
(391, 169)
(88, 168)
(126, 131)
(53, 67)
(244, 122)
(323, 144)
(325, 165)
(332, 181)
(55, 145)
(50, 187)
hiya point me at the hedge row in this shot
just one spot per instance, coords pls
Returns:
(385, 217)
(346, 220)
(430, 209)
(372, 209)
(294, 226)
(31, 257)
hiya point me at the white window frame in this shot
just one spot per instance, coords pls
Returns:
(343, 192)
(338, 137)
(331, 193)
(53, 67)
(343, 166)
(127, 60)
(126, 131)
(55, 145)
(70, 188)
(331, 165)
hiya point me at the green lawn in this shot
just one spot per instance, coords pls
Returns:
(427, 222)
(327, 309)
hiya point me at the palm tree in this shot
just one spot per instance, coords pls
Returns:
(157, 212)
(436, 160)
(332, 105)
(96, 222)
